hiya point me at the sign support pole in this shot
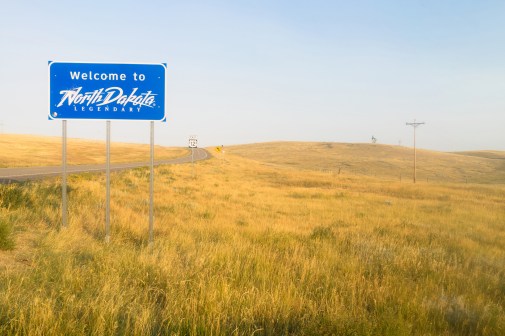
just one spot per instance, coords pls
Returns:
(193, 162)
(151, 189)
(192, 145)
(107, 183)
(64, 176)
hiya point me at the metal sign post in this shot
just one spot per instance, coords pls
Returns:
(64, 212)
(193, 162)
(107, 91)
(193, 143)
(151, 189)
(107, 183)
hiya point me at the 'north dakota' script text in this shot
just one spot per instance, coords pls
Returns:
(107, 96)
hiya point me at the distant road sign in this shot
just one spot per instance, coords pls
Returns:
(193, 141)
(107, 91)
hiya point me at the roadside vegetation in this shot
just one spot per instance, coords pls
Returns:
(248, 247)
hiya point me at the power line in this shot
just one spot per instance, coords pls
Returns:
(415, 125)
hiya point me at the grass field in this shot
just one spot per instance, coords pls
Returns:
(485, 154)
(384, 161)
(248, 247)
(27, 150)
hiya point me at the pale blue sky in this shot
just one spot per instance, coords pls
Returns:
(254, 71)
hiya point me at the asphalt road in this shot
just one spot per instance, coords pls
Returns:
(11, 175)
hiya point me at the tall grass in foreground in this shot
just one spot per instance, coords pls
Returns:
(250, 249)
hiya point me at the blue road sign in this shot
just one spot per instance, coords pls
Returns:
(107, 91)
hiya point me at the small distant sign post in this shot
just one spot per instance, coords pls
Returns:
(193, 143)
(107, 91)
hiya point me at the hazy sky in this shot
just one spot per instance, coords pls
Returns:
(255, 71)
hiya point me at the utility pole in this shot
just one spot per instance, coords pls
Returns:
(415, 125)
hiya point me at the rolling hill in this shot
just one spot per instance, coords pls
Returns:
(488, 154)
(383, 161)
(30, 150)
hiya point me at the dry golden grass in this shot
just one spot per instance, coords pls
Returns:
(485, 154)
(384, 161)
(27, 150)
(247, 248)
